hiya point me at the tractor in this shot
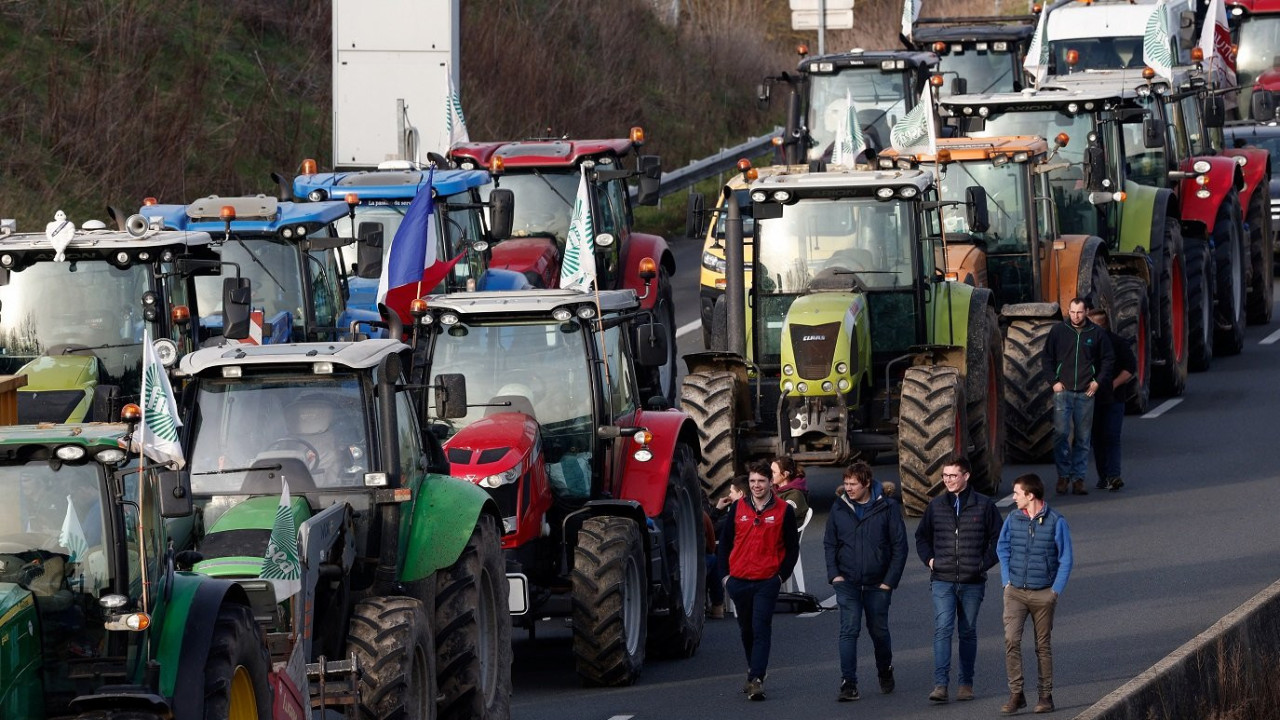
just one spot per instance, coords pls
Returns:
(1254, 27)
(546, 175)
(1032, 270)
(595, 476)
(849, 340)
(403, 604)
(74, 312)
(978, 55)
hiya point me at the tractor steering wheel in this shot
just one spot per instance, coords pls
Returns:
(311, 456)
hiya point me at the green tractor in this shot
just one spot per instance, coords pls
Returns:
(855, 342)
(403, 607)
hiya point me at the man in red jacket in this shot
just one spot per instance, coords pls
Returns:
(759, 550)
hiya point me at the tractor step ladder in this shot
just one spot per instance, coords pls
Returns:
(335, 684)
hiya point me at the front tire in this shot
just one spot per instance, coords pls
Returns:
(392, 641)
(931, 430)
(1173, 336)
(236, 671)
(678, 633)
(609, 602)
(1201, 279)
(1229, 253)
(1261, 257)
(984, 390)
(708, 397)
(1028, 391)
(1133, 323)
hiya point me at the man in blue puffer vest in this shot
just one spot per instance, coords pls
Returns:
(1035, 563)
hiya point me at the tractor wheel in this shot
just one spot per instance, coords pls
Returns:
(664, 313)
(1170, 378)
(708, 398)
(1028, 392)
(236, 671)
(609, 601)
(473, 630)
(984, 391)
(678, 632)
(1261, 258)
(1231, 255)
(1133, 323)
(1100, 290)
(1201, 282)
(931, 428)
(391, 639)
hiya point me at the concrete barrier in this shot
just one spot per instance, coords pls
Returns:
(1227, 671)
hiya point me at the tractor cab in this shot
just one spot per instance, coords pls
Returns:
(1255, 30)
(74, 306)
(976, 54)
(1108, 34)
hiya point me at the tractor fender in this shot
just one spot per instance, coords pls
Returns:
(646, 482)
(719, 361)
(1255, 170)
(966, 260)
(1031, 311)
(948, 315)
(640, 246)
(1087, 250)
(1224, 176)
(444, 514)
(186, 618)
(1143, 206)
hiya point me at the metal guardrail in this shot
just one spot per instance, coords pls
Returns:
(723, 161)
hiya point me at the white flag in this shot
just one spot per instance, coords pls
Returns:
(1156, 52)
(1215, 41)
(157, 434)
(917, 132)
(578, 269)
(454, 119)
(72, 535)
(910, 11)
(1037, 61)
(849, 140)
(281, 565)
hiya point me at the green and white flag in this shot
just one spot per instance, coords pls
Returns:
(578, 269)
(454, 119)
(281, 564)
(916, 132)
(1037, 61)
(1156, 52)
(157, 434)
(849, 140)
(910, 11)
(72, 535)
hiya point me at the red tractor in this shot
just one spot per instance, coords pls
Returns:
(545, 175)
(597, 487)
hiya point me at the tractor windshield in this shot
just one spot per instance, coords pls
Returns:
(247, 432)
(1006, 202)
(880, 99)
(983, 72)
(544, 202)
(1103, 53)
(1259, 38)
(458, 228)
(273, 267)
(78, 309)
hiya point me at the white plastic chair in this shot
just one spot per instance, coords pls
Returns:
(796, 582)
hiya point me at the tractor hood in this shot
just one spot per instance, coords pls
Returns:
(237, 542)
(492, 445)
(59, 388)
(535, 257)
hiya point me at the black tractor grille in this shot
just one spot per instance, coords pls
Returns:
(814, 346)
(55, 406)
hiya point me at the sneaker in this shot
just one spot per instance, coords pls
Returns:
(1077, 487)
(965, 692)
(939, 694)
(1116, 483)
(848, 691)
(886, 681)
(755, 690)
(1102, 484)
(716, 612)
(1062, 485)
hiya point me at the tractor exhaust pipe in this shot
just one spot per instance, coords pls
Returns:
(735, 279)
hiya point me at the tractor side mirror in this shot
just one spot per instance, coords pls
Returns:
(502, 203)
(651, 344)
(959, 86)
(1152, 132)
(975, 209)
(1215, 111)
(650, 180)
(175, 493)
(1095, 168)
(369, 250)
(236, 296)
(1262, 105)
(451, 395)
(695, 215)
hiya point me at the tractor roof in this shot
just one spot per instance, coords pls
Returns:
(539, 153)
(1253, 6)
(532, 302)
(1103, 18)
(254, 214)
(1083, 90)
(87, 435)
(354, 355)
(853, 180)
(1014, 28)
(857, 57)
(386, 184)
(103, 243)
(967, 149)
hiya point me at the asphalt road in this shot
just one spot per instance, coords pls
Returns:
(1189, 538)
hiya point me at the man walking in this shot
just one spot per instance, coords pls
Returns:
(866, 549)
(1077, 355)
(1108, 408)
(759, 550)
(956, 539)
(1035, 562)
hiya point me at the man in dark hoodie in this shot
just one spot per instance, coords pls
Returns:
(1079, 358)
(866, 548)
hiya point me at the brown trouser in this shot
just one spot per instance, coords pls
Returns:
(1039, 604)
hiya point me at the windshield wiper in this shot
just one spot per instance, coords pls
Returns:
(276, 466)
(79, 348)
(538, 173)
(255, 258)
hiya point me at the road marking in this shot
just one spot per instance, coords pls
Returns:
(1005, 501)
(690, 327)
(1162, 408)
(1270, 338)
(622, 717)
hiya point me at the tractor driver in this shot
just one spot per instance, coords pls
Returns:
(331, 446)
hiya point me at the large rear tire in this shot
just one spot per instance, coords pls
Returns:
(1133, 323)
(984, 391)
(1028, 392)
(678, 633)
(392, 641)
(236, 671)
(708, 398)
(609, 602)
(1201, 279)
(1169, 378)
(931, 429)
(1231, 257)
(1261, 257)
(473, 630)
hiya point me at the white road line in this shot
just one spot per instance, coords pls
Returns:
(1005, 501)
(688, 328)
(622, 717)
(1162, 408)
(1270, 338)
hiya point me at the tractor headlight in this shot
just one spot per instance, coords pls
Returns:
(843, 385)
(505, 477)
(110, 456)
(787, 386)
(166, 351)
(69, 452)
(803, 387)
(1201, 166)
(713, 262)
(788, 370)
(827, 386)
(842, 367)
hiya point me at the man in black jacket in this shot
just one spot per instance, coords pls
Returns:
(1078, 356)
(1108, 408)
(866, 549)
(957, 539)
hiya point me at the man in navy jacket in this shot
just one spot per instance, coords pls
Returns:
(1078, 356)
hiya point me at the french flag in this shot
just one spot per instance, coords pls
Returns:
(412, 267)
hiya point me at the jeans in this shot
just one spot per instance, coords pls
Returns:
(1108, 421)
(856, 601)
(1072, 411)
(947, 598)
(1039, 604)
(754, 601)
(715, 586)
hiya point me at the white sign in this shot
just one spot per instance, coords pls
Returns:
(808, 19)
